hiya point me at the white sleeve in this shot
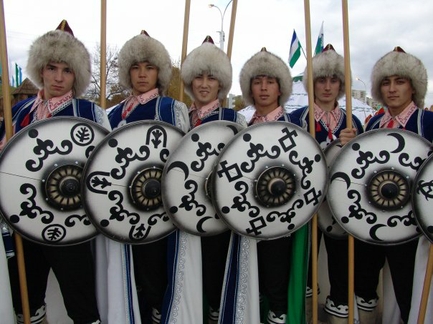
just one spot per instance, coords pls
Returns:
(181, 116)
(102, 117)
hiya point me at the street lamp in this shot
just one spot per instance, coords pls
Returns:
(221, 32)
(365, 89)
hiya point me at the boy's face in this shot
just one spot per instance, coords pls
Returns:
(205, 88)
(397, 93)
(144, 77)
(326, 90)
(265, 91)
(58, 79)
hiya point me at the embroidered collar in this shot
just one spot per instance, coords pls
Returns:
(133, 101)
(326, 116)
(274, 115)
(50, 107)
(206, 110)
(401, 119)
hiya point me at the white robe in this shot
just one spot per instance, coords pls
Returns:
(247, 301)
(6, 308)
(116, 292)
(418, 283)
(186, 287)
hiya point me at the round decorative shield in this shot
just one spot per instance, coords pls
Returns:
(370, 185)
(269, 180)
(187, 174)
(122, 182)
(422, 198)
(325, 220)
(40, 179)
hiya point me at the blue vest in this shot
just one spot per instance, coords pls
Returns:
(421, 122)
(160, 108)
(22, 117)
(322, 131)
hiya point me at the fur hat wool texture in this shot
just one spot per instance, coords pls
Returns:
(207, 58)
(399, 63)
(143, 48)
(268, 64)
(328, 63)
(57, 46)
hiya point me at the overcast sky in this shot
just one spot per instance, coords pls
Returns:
(375, 28)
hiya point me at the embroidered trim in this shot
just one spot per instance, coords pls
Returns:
(180, 276)
(336, 310)
(35, 318)
(213, 314)
(156, 316)
(367, 305)
(242, 298)
(274, 319)
(133, 101)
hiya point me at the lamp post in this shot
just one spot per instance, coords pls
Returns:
(365, 89)
(222, 13)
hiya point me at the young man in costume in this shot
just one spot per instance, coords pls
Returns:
(207, 76)
(60, 65)
(266, 83)
(330, 124)
(399, 82)
(145, 68)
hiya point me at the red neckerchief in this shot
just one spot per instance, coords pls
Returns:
(47, 108)
(274, 115)
(387, 121)
(198, 114)
(329, 118)
(133, 101)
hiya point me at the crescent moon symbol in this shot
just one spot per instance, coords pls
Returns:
(180, 165)
(400, 140)
(200, 224)
(343, 176)
(373, 231)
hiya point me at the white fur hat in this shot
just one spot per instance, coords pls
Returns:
(327, 64)
(400, 63)
(57, 46)
(143, 48)
(210, 59)
(265, 63)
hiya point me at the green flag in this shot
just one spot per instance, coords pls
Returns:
(298, 276)
(295, 50)
(320, 41)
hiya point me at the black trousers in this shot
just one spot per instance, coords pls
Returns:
(370, 259)
(150, 267)
(274, 270)
(73, 267)
(214, 255)
(337, 252)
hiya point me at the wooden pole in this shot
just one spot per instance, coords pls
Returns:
(231, 35)
(348, 92)
(311, 121)
(9, 133)
(232, 28)
(184, 42)
(426, 287)
(103, 66)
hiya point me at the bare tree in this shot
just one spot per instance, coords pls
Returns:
(174, 87)
(114, 92)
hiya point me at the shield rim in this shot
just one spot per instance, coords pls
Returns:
(346, 148)
(240, 134)
(84, 194)
(165, 185)
(16, 137)
(415, 202)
